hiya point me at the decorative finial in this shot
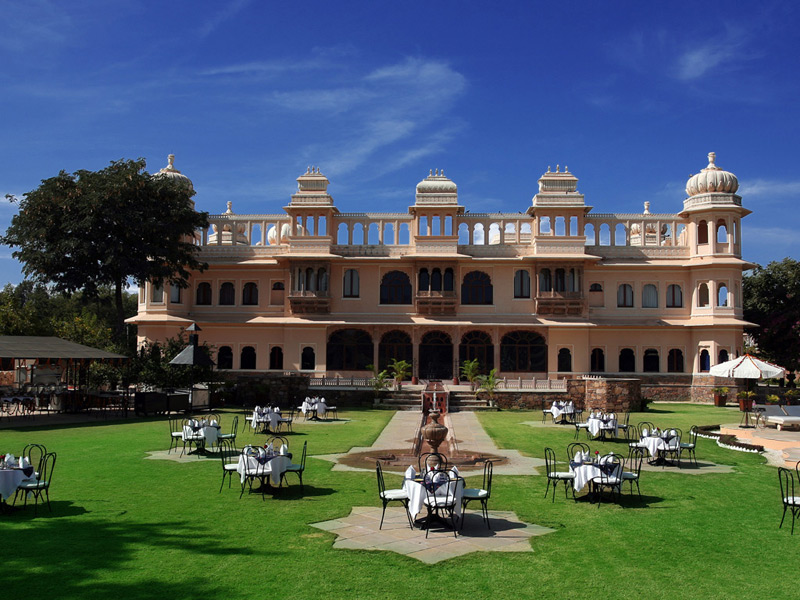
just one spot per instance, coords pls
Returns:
(548, 168)
(171, 161)
(230, 207)
(566, 169)
(646, 208)
(442, 172)
(712, 157)
(557, 168)
(308, 170)
(430, 173)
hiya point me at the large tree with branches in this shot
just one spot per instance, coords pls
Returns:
(111, 227)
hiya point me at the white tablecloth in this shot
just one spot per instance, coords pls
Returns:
(207, 434)
(275, 467)
(595, 425)
(584, 474)
(416, 496)
(272, 417)
(315, 407)
(9, 481)
(654, 444)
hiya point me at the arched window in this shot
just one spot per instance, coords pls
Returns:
(702, 232)
(203, 295)
(423, 280)
(436, 355)
(595, 287)
(625, 296)
(523, 351)
(157, 293)
(436, 280)
(449, 280)
(476, 288)
(276, 358)
(227, 294)
(522, 284)
(722, 232)
(545, 281)
(225, 357)
(310, 284)
(649, 296)
(477, 345)
(560, 282)
(650, 364)
(349, 350)
(598, 361)
(396, 345)
(564, 360)
(674, 296)
(722, 295)
(351, 284)
(322, 279)
(705, 361)
(702, 296)
(248, 358)
(276, 294)
(675, 361)
(308, 360)
(250, 294)
(723, 356)
(627, 360)
(395, 288)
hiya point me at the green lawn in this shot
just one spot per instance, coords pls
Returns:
(126, 527)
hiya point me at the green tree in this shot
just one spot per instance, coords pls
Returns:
(772, 300)
(488, 383)
(89, 229)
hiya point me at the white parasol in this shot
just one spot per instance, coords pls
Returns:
(747, 367)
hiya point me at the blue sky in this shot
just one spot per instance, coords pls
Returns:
(630, 95)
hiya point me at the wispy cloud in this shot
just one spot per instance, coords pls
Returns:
(33, 24)
(232, 8)
(266, 67)
(770, 188)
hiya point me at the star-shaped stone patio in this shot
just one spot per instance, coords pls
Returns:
(359, 530)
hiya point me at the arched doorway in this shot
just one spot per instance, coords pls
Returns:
(436, 356)
(394, 344)
(477, 345)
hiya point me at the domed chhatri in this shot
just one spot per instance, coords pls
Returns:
(712, 179)
(172, 173)
(437, 183)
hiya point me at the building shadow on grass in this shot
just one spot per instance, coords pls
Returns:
(73, 558)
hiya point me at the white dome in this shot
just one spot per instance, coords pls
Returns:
(436, 184)
(172, 173)
(286, 231)
(712, 179)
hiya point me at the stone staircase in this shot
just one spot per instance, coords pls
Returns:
(401, 400)
(467, 401)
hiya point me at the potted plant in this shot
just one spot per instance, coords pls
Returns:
(720, 396)
(746, 398)
(400, 369)
(471, 370)
(773, 399)
(791, 396)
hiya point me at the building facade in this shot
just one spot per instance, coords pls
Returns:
(555, 290)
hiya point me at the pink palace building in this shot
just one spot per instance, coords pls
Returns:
(554, 291)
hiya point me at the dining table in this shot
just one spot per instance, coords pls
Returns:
(10, 480)
(600, 424)
(658, 444)
(586, 470)
(562, 412)
(262, 465)
(415, 486)
(201, 433)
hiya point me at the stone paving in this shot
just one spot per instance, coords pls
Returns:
(359, 531)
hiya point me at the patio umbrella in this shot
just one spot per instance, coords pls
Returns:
(747, 367)
(192, 356)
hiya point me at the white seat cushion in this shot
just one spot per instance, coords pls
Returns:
(475, 494)
(607, 480)
(628, 475)
(440, 501)
(394, 495)
(177, 434)
(561, 475)
(231, 467)
(791, 500)
(687, 446)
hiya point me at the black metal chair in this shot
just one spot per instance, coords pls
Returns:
(609, 426)
(635, 442)
(611, 468)
(645, 425)
(574, 447)
(175, 433)
(581, 424)
(386, 496)
(624, 424)
(482, 494)
(287, 421)
(230, 460)
(191, 437)
(788, 497)
(635, 464)
(545, 413)
(441, 498)
(556, 477)
(691, 446)
(39, 486)
(231, 437)
(427, 459)
(277, 441)
(35, 453)
(299, 468)
(672, 447)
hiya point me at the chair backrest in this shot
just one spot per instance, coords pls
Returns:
(574, 447)
(47, 468)
(693, 431)
(35, 453)
(646, 425)
(488, 468)
(634, 433)
(234, 424)
(427, 458)
(786, 479)
(277, 441)
(228, 452)
(676, 440)
(614, 465)
(549, 460)
(443, 486)
(303, 461)
(379, 474)
(175, 425)
(213, 416)
(626, 418)
(636, 459)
